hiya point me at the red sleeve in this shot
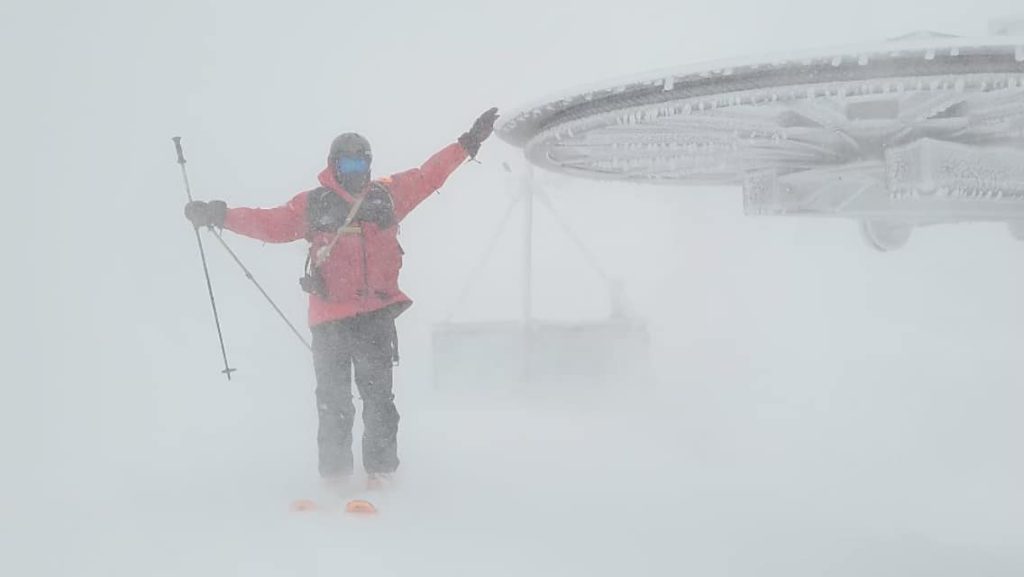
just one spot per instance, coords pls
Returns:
(411, 187)
(281, 224)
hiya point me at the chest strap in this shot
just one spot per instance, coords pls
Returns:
(324, 252)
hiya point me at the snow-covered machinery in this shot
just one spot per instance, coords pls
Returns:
(923, 129)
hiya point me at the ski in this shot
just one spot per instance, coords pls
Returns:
(349, 506)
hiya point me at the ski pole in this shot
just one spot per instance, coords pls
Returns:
(241, 265)
(249, 276)
(202, 255)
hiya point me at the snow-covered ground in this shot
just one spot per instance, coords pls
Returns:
(917, 477)
(819, 408)
(861, 419)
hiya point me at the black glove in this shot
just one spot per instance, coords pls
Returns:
(203, 213)
(482, 128)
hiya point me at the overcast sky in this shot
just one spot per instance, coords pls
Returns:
(105, 311)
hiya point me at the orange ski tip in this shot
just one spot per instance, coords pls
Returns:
(361, 507)
(301, 505)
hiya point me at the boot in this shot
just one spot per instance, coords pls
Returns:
(379, 481)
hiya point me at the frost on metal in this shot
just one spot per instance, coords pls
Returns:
(937, 169)
(923, 129)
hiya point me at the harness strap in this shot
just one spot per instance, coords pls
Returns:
(394, 343)
(324, 252)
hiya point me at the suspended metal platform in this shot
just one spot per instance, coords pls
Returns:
(919, 130)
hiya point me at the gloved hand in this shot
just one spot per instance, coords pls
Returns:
(482, 128)
(203, 213)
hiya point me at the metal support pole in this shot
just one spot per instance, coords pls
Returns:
(527, 196)
(528, 193)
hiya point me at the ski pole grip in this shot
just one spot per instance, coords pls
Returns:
(177, 147)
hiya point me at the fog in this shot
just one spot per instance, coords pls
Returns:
(816, 407)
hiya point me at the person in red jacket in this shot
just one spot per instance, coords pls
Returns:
(351, 223)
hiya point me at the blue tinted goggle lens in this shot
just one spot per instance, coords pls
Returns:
(348, 164)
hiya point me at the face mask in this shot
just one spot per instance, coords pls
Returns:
(354, 182)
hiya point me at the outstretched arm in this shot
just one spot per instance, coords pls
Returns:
(411, 187)
(284, 223)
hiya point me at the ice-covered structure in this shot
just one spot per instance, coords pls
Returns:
(922, 129)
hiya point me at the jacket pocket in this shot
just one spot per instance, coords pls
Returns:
(385, 263)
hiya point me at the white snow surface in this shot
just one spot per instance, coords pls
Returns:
(859, 420)
(819, 408)
(764, 479)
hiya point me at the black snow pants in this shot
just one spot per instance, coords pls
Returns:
(363, 345)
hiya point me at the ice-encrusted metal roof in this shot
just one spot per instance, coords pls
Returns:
(652, 102)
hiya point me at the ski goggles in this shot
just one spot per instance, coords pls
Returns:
(352, 164)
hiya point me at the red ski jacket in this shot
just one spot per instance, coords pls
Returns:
(361, 272)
